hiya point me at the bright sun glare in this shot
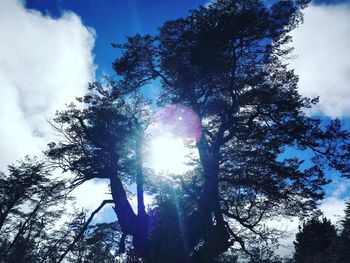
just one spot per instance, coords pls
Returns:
(172, 128)
(169, 155)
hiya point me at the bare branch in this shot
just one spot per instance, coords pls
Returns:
(77, 237)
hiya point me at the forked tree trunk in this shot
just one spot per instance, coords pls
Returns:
(199, 226)
(130, 223)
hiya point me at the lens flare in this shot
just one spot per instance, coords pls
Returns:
(178, 120)
(173, 128)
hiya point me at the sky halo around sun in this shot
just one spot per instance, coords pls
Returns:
(174, 131)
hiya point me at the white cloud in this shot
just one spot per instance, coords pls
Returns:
(91, 194)
(334, 205)
(44, 63)
(322, 47)
(333, 209)
(290, 228)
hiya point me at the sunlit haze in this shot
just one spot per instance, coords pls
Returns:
(172, 128)
(169, 155)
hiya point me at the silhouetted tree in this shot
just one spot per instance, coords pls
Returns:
(31, 202)
(344, 239)
(264, 253)
(228, 63)
(227, 257)
(316, 242)
(102, 140)
(97, 244)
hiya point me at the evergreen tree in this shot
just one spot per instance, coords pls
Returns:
(344, 239)
(316, 242)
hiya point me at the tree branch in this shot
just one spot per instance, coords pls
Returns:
(77, 237)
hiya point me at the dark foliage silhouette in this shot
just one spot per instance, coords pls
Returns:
(316, 241)
(227, 63)
(344, 239)
(30, 203)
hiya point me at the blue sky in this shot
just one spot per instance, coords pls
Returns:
(113, 20)
(52, 49)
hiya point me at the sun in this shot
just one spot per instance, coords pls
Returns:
(174, 131)
(169, 155)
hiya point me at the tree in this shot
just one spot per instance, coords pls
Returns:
(228, 63)
(344, 239)
(316, 241)
(32, 201)
(102, 140)
(95, 245)
(264, 253)
(30, 204)
(20, 185)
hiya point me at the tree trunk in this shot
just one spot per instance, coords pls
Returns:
(123, 209)
(130, 223)
(215, 234)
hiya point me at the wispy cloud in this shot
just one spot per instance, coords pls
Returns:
(323, 65)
